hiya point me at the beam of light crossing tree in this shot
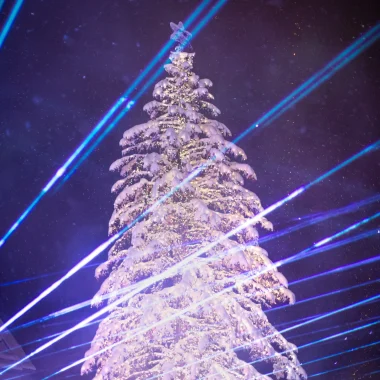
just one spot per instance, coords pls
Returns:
(316, 219)
(169, 272)
(38, 277)
(106, 118)
(331, 246)
(10, 20)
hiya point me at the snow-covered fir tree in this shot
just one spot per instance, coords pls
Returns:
(179, 137)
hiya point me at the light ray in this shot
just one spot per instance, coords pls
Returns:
(106, 118)
(8, 23)
(38, 277)
(167, 273)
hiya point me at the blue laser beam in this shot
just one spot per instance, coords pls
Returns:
(343, 352)
(110, 241)
(357, 264)
(317, 342)
(106, 118)
(27, 279)
(1, 4)
(8, 23)
(372, 373)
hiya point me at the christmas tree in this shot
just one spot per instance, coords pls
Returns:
(157, 156)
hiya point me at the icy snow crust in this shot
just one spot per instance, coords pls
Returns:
(157, 156)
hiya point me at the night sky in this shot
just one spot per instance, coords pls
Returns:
(64, 63)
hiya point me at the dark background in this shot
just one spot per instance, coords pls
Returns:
(65, 62)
